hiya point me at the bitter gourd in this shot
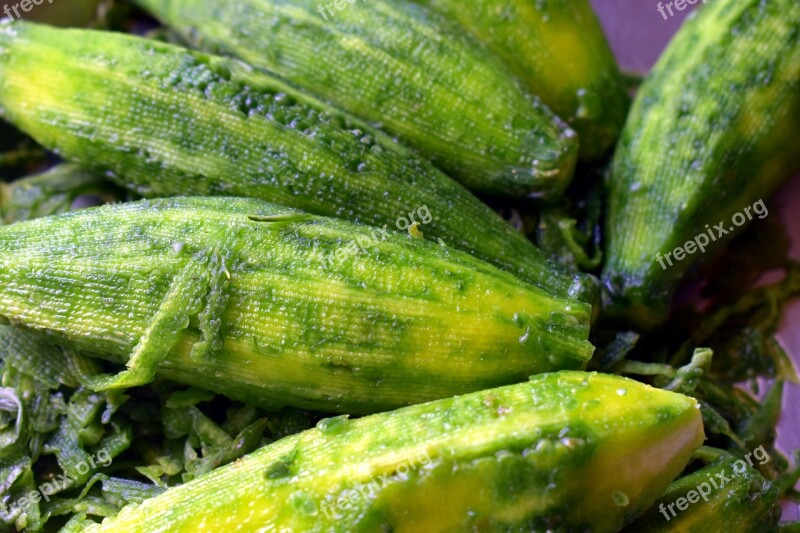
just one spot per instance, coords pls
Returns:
(276, 307)
(712, 133)
(569, 451)
(165, 121)
(727, 495)
(559, 50)
(397, 64)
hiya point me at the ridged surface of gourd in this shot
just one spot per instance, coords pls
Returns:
(165, 121)
(264, 307)
(397, 64)
(557, 47)
(569, 451)
(735, 497)
(712, 131)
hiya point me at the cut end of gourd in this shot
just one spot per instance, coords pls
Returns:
(636, 464)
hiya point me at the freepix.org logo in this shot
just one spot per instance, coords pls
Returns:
(679, 5)
(718, 481)
(62, 482)
(12, 11)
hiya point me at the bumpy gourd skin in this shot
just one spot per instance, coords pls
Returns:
(569, 451)
(258, 302)
(559, 50)
(402, 66)
(713, 130)
(165, 121)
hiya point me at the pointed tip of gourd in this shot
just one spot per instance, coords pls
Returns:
(633, 463)
(628, 302)
(552, 176)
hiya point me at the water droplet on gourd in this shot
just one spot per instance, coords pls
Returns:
(334, 425)
(590, 105)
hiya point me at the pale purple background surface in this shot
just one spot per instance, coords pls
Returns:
(638, 34)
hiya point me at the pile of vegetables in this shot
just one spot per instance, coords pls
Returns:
(218, 311)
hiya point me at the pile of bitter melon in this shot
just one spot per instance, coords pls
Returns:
(393, 265)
